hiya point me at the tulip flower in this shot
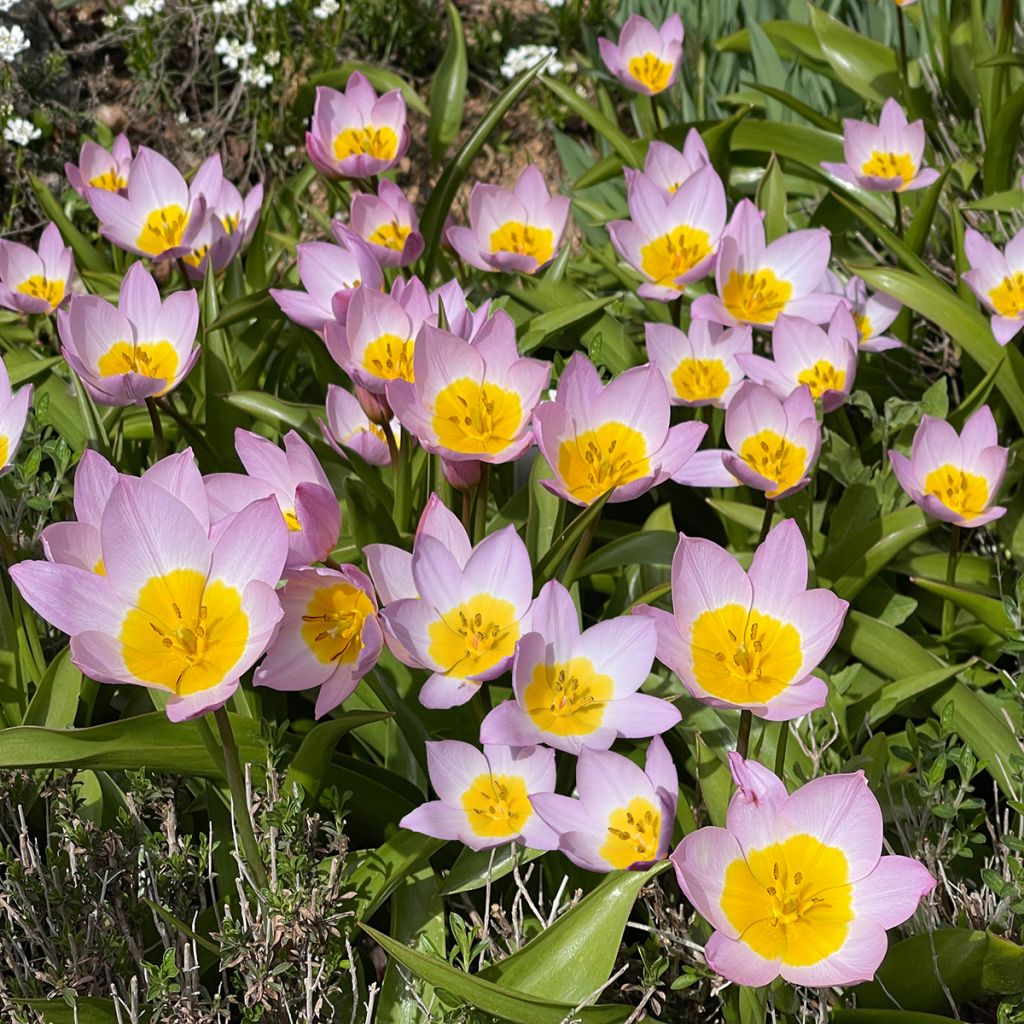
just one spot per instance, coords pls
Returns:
(667, 167)
(330, 274)
(141, 348)
(612, 438)
(805, 354)
(997, 278)
(98, 167)
(296, 479)
(348, 428)
(578, 689)
(485, 796)
(387, 222)
(624, 815)
(470, 400)
(355, 134)
(671, 238)
(774, 443)
(463, 476)
(757, 281)
(519, 230)
(748, 640)
(159, 216)
(699, 367)
(175, 611)
(36, 282)
(955, 477)
(645, 59)
(229, 223)
(13, 413)
(797, 885)
(466, 614)
(871, 313)
(886, 157)
(329, 636)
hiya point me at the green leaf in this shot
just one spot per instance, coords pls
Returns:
(771, 200)
(379, 871)
(567, 540)
(969, 964)
(841, 1016)
(921, 226)
(541, 327)
(56, 699)
(473, 868)
(645, 547)
(987, 610)
(1001, 144)
(86, 254)
(892, 696)
(494, 999)
(254, 306)
(604, 126)
(276, 412)
(448, 89)
(819, 120)
(79, 1010)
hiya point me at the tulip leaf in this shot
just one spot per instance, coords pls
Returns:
(276, 412)
(540, 328)
(771, 200)
(645, 547)
(892, 696)
(567, 540)
(987, 610)
(921, 226)
(841, 1016)
(474, 868)
(378, 872)
(626, 148)
(87, 256)
(258, 305)
(448, 89)
(1001, 145)
(56, 698)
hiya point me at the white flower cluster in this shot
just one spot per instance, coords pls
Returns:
(234, 52)
(6, 5)
(521, 58)
(12, 42)
(229, 7)
(325, 9)
(20, 132)
(272, 58)
(256, 75)
(142, 9)
(109, 20)
(271, 4)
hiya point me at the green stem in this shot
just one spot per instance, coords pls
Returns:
(7, 552)
(403, 474)
(845, 429)
(901, 25)
(897, 205)
(389, 436)
(159, 444)
(780, 750)
(482, 489)
(948, 608)
(766, 523)
(239, 800)
(743, 736)
(579, 555)
(467, 511)
(194, 435)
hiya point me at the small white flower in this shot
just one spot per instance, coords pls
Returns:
(181, 117)
(6, 110)
(12, 42)
(554, 4)
(520, 58)
(272, 58)
(233, 51)
(325, 9)
(256, 75)
(271, 4)
(21, 132)
(228, 7)
(142, 9)
(6, 5)
(288, 150)
(197, 132)
(109, 20)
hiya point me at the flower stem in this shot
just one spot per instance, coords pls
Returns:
(239, 800)
(780, 750)
(159, 444)
(897, 206)
(480, 516)
(572, 570)
(403, 472)
(743, 736)
(901, 25)
(766, 523)
(948, 608)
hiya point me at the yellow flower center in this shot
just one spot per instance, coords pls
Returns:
(790, 901)
(864, 326)
(99, 568)
(1007, 297)
(163, 230)
(758, 297)
(229, 222)
(474, 636)
(5, 450)
(744, 657)
(598, 460)
(961, 492)
(477, 419)
(291, 520)
(697, 380)
(333, 622)
(670, 256)
(633, 834)
(380, 143)
(822, 377)
(157, 359)
(50, 290)
(775, 458)
(888, 166)
(390, 358)
(650, 71)
(568, 699)
(183, 633)
(497, 805)
(391, 235)
(109, 181)
(524, 240)
(196, 256)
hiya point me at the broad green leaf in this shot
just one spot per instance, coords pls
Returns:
(1001, 145)
(819, 120)
(567, 540)
(541, 327)
(987, 610)
(276, 412)
(921, 226)
(885, 649)
(220, 367)
(79, 1010)
(604, 126)
(473, 868)
(258, 305)
(494, 999)
(448, 89)
(892, 696)
(86, 254)
(56, 699)
(378, 872)
(771, 200)
(792, 40)
(646, 547)
(841, 1016)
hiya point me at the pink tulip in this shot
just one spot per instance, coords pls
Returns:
(142, 348)
(797, 886)
(955, 477)
(699, 367)
(387, 222)
(98, 167)
(348, 428)
(518, 230)
(13, 413)
(645, 59)
(355, 134)
(997, 278)
(872, 314)
(667, 167)
(36, 282)
(748, 640)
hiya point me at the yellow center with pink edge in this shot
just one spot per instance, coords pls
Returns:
(632, 835)
(776, 458)
(744, 656)
(380, 143)
(670, 256)
(889, 166)
(497, 806)
(1007, 297)
(964, 493)
(184, 633)
(791, 901)
(155, 359)
(49, 289)
(390, 235)
(471, 638)
(5, 450)
(523, 240)
(332, 623)
(390, 357)
(568, 698)
(111, 180)
(596, 461)
(650, 71)
(477, 419)
(757, 297)
(163, 229)
(822, 377)
(700, 380)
